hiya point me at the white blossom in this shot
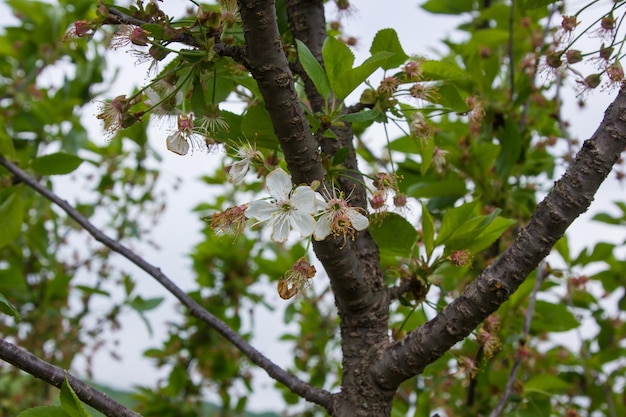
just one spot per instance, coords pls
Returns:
(339, 218)
(238, 170)
(285, 210)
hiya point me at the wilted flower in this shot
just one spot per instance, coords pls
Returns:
(467, 366)
(339, 218)
(388, 86)
(114, 113)
(378, 200)
(490, 342)
(185, 136)
(587, 84)
(127, 35)
(247, 154)
(439, 158)
(413, 70)
(386, 183)
(475, 113)
(616, 74)
(296, 279)
(399, 200)
(424, 92)
(607, 27)
(286, 209)
(573, 56)
(569, 23)
(230, 221)
(79, 29)
(212, 121)
(460, 257)
(421, 129)
(163, 98)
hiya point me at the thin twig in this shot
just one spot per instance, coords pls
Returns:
(233, 51)
(55, 376)
(518, 359)
(295, 384)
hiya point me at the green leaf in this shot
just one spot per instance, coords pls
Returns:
(92, 290)
(6, 145)
(340, 155)
(350, 80)
(428, 230)
(313, 69)
(7, 308)
(48, 411)
(601, 252)
(59, 163)
(145, 304)
(550, 317)
(338, 60)
(154, 29)
(393, 234)
(257, 126)
(70, 402)
(453, 219)
(386, 40)
(429, 188)
(510, 149)
(535, 4)
(427, 151)
(361, 117)
(11, 217)
(562, 247)
(450, 97)
(489, 234)
(546, 384)
(439, 70)
(198, 102)
(607, 218)
(468, 234)
(448, 6)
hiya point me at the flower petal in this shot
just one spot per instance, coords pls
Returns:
(238, 171)
(177, 144)
(303, 198)
(322, 228)
(281, 228)
(303, 223)
(359, 221)
(261, 209)
(278, 184)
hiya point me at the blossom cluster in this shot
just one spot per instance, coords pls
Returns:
(301, 209)
(304, 210)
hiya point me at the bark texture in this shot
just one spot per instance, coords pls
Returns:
(352, 265)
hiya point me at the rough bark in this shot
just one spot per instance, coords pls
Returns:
(269, 66)
(352, 265)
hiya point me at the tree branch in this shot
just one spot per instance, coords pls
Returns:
(352, 264)
(269, 67)
(235, 52)
(571, 196)
(55, 376)
(296, 385)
